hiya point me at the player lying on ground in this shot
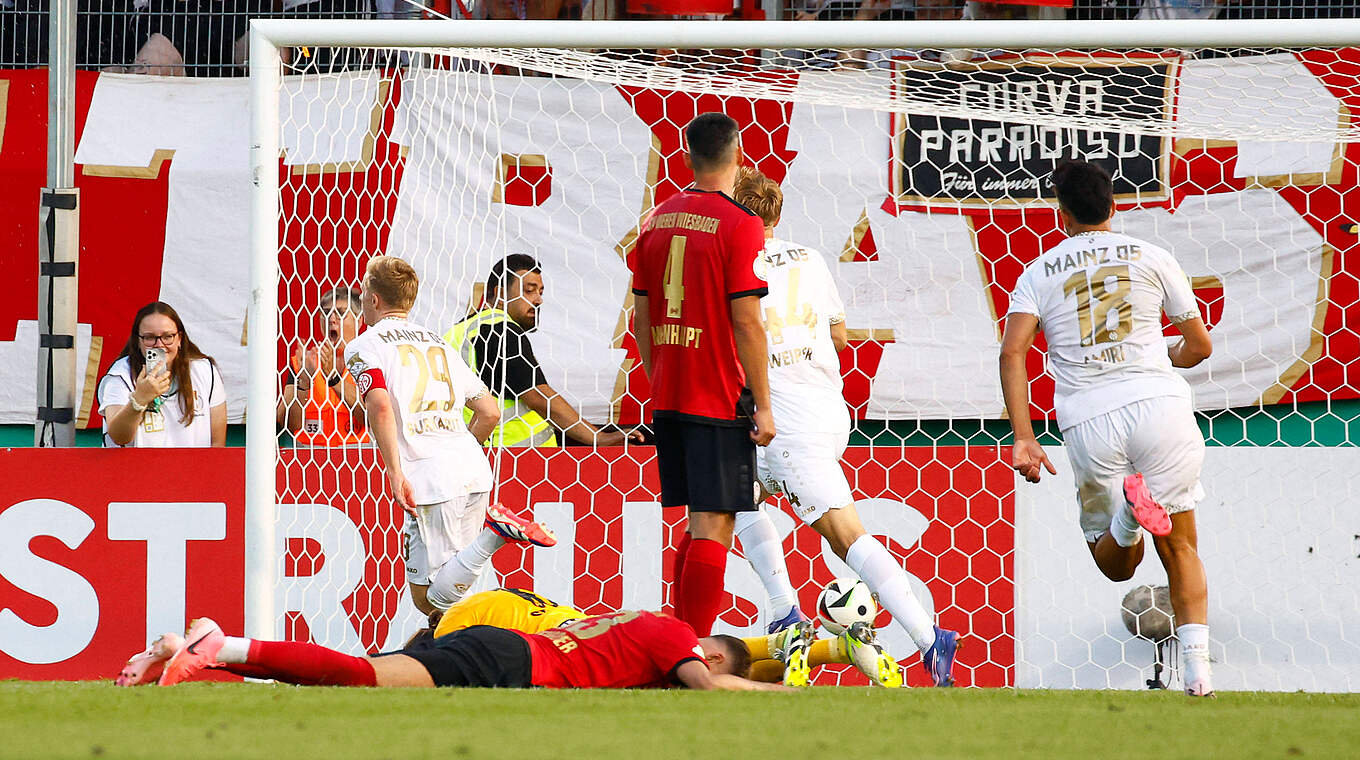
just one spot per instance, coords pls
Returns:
(413, 387)
(622, 650)
(1125, 415)
(527, 612)
(805, 322)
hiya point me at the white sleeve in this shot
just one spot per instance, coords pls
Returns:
(217, 395)
(1023, 299)
(829, 303)
(1178, 300)
(113, 391)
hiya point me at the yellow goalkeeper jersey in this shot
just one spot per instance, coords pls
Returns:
(510, 608)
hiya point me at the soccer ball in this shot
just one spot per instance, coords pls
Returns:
(843, 602)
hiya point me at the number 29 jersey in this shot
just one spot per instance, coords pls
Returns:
(428, 383)
(696, 252)
(1099, 297)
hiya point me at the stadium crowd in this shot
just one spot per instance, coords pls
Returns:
(208, 37)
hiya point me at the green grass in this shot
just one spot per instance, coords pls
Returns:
(215, 720)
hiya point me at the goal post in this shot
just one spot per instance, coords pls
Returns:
(912, 156)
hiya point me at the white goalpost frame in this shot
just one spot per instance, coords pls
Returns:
(263, 568)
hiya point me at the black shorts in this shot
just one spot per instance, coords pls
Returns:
(708, 468)
(476, 656)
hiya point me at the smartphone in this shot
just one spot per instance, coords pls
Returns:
(155, 358)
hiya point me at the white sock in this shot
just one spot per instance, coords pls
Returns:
(234, 649)
(763, 549)
(457, 575)
(1124, 529)
(1194, 638)
(888, 580)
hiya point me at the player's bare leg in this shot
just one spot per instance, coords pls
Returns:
(1116, 562)
(1179, 552)
(703, 570)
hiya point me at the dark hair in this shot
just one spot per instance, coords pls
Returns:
(179, 369)
(711, 137)
(351, 295)
(1084, 190)
(501, 271)
(738, 654)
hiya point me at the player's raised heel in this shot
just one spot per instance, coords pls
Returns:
(146, 667)
(1149, 514)
(795, 616)
(869, 657)
(791, 648)
(198, 650)
(516, 529)
(939, 659)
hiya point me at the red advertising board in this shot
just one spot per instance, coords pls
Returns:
(101, 550)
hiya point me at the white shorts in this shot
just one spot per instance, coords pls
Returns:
(439, 531)
(806, 468)
(1157, 437)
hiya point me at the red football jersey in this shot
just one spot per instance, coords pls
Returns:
(620, 651)
(696, 251)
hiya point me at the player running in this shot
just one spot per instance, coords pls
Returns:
(699, 332)
(1125, 416)
(617, 651)
(805, 320)
(413, 388)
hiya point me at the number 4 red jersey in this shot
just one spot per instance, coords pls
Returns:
(620, 651)
(696, 252)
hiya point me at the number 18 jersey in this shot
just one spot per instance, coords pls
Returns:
(1099, 297)
(428, 384)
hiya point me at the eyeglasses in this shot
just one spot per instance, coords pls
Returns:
(164, 340)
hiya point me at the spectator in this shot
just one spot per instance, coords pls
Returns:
(495, 343)
(320, 402)
(180, 402)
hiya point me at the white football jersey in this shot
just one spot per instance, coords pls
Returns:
(429, 384)
(805, 375)
(1099, 297)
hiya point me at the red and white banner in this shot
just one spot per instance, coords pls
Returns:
(94, 567)
(1266, 229)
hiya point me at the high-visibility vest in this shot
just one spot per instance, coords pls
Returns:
(325, 418)
(520, 425)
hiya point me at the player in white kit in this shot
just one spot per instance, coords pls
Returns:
(1125, 414)
(805, 325)
(414, 387)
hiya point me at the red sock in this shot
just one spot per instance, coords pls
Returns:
(677, 567)
(309, 664)
(702, 584)
(245, 670)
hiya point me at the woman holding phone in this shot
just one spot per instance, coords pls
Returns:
(162, 391)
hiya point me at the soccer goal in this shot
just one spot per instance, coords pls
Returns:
(913, 156)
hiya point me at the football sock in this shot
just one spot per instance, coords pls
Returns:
(1194, 638)
(677, 566)
(309, 664)
(1124, 529)
(767, 671)
(701, 584)
(765, 668)
(763, 549)
(826, 652)
(760, 647)
(457, 575)
(888, 581)
(245, 670)
(234, 649)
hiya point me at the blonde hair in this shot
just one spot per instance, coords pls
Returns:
(760, 194)
(393, 280)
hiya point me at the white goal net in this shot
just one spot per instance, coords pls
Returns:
(915, 163)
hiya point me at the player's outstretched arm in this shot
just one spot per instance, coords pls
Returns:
(1194, 346)
(695, 675)
(382, 422)
(1027, 456)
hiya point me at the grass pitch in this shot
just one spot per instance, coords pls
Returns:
(232, 720)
